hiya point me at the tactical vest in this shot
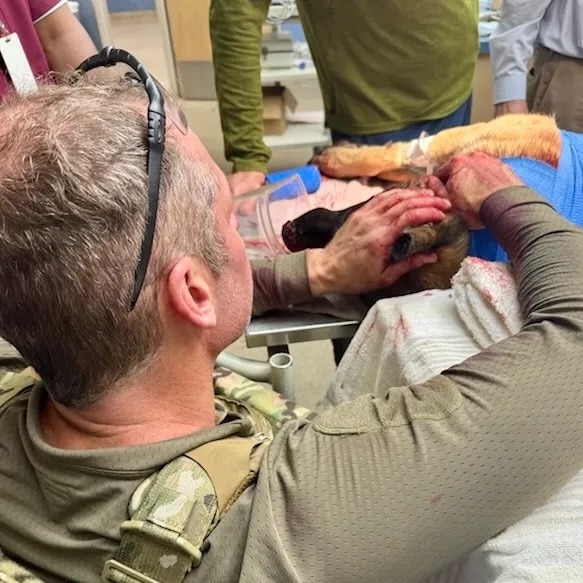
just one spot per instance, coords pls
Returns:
(174, 510)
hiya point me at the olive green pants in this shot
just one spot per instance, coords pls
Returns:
(555, 86)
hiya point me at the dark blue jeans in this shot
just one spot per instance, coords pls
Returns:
(460, 117)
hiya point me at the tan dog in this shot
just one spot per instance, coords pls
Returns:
(530, 136)
(524, 135)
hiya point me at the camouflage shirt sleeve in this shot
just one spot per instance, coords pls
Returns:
(10, 359)
(236, 29)
(12, 572)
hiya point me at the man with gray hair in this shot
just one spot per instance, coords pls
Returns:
(387, 488)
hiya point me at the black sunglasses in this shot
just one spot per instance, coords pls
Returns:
(160, 108)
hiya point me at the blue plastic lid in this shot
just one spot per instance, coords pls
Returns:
(310, 176)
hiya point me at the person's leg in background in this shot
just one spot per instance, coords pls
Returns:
(460, 117)
(555, 87)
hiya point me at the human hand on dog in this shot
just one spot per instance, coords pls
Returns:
(467, 181)
(514, 106)
(356, 260)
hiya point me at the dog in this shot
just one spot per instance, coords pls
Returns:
(520, 136)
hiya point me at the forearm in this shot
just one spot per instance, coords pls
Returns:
(280, 283)
(283, 284)
(511, 46)
(236, 40)
(65, 42)
(434, 470)
(545, 250)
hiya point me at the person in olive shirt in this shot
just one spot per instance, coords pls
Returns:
(388, 70)
(387, 488)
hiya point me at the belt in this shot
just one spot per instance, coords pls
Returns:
(553, 53)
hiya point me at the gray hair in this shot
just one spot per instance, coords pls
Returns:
(73, 200)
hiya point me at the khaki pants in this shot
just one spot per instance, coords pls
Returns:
(555, 86)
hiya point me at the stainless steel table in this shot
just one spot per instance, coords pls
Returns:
(278, 329)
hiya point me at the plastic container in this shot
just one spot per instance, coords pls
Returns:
(310, 175)
(260, 217)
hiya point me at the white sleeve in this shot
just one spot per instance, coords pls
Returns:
(51, 10)
(512, 45)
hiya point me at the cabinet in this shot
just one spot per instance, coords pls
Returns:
(187, 44)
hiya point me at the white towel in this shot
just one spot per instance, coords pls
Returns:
(486, 299)
(402, 340)
(544, 547)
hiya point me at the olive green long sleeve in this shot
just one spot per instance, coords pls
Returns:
(391, 489)
(282, 284)
(235, 28)
(381, 66)
(384, 489)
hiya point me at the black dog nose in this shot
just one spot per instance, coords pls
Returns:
(289, 236)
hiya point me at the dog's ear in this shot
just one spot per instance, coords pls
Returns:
(449, 239)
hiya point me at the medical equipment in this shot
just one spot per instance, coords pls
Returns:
(277, 48)
(277, 371)
(261, 214)
(309, 175)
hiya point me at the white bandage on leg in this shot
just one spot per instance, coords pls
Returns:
(418, 153)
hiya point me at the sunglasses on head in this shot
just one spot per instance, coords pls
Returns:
(161, 109)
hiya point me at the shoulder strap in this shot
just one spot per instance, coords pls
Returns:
(173, 511)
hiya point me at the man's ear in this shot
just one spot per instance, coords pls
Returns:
(190, 294)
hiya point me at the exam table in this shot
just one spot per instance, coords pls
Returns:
(276, 331)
